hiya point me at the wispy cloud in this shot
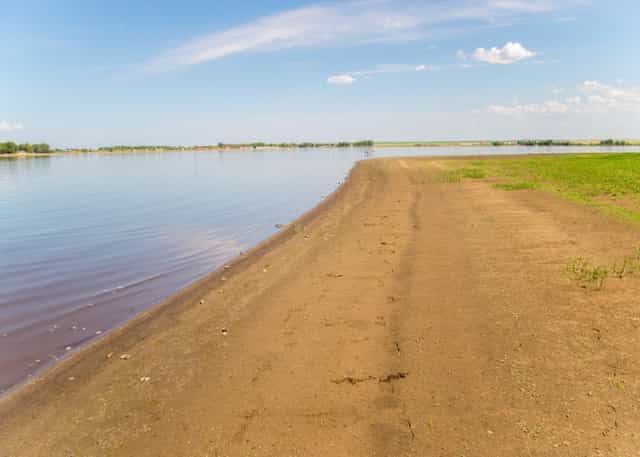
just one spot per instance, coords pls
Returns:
(596, 98)
(350, 77)
(350, 23)
(550, 106)
(6, 126)
(341, 80)
(510, 53)
(564, 19)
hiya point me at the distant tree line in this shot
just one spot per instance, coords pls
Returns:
(611, 142)
(527, 142)
(543, 143)
(121, 148)
(255, 145)
(9, 147)
(341, 144)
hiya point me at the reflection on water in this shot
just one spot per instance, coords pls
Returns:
(88, 241)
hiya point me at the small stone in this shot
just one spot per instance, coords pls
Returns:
(37, 360)
(109, 355)
(68, 348)
(489, 432)
(224, 331)
(202, 302)
(145, 379)
(98, 332)
(125, 357)
(71, 378)
(227, 267)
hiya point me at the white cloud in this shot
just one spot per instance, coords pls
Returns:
(347, 23)
(508, 54)
(606, 98)
(6, 126)
(600, 98)
(341, 80)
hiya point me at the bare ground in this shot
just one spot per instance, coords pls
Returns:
(403, 317)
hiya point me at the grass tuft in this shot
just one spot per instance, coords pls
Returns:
(589, 274)
(524, 185)
(456, 176)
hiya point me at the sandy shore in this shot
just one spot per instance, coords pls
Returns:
(403, 316)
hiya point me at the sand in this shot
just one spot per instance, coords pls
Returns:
(403, 316)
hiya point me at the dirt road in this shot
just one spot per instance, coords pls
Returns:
(405, 316)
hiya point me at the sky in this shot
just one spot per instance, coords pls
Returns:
(91, 73)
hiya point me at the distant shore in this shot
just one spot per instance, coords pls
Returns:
(361, 144)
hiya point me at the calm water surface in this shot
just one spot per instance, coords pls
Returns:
(89, 241)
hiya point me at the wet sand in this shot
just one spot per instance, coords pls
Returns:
(403, 316)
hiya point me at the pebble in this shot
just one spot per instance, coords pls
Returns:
(68, 348)
(98, 332)
(202, 302)
(226, 267)
(224, 331)
(109, 355)
(71, 378)
(145, 379)
(125, 356)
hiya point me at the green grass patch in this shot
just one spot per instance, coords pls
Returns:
(523, 185)
(604, 181)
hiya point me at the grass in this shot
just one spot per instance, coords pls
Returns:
(610, 182)
(588, 274)
(458, 174)
(523, 185)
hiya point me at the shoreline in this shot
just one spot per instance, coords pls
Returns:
(403, 315)
(178, 300)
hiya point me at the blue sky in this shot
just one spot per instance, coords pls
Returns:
(200, 72)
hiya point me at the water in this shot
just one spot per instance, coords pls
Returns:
(89, 241)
